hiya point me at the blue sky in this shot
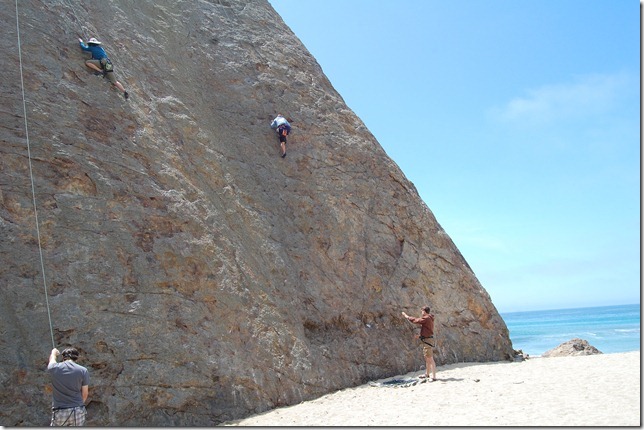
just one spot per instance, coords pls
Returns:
(518, 122)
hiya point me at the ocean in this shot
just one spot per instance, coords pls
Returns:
(607, 328)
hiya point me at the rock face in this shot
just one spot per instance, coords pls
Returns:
(203, 277)
(572, 347)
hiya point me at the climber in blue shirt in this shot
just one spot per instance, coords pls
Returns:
(100, 63)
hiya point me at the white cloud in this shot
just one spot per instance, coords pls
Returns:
(586, 97)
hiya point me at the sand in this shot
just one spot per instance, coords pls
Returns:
(594, 390)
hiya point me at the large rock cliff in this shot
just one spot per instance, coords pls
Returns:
(203, 277)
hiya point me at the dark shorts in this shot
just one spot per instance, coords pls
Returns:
(282, 131)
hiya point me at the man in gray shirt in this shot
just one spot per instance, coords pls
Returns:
(71, 388)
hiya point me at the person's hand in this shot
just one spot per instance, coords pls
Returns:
(56, 352)
(80, 40)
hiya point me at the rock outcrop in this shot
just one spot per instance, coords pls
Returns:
(572, 347)
(519, 355)
(203, 277)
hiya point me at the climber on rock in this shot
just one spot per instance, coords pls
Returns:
(100, 63)
(283, 128)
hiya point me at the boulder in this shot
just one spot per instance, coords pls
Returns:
(572, 347)
(202, 277)
(519, 355)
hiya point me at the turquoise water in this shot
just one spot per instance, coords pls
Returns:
(607, 328)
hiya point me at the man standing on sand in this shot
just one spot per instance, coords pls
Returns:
(426, 322)
(71, 388)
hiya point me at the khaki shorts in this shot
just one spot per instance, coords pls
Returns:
(428, 351)
(108, 75)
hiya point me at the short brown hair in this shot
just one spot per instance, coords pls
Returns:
(426, 309)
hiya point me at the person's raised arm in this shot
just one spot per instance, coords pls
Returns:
(412, 319)
(53, 356)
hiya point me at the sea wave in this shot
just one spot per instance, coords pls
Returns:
(627, 330)
(609, 329)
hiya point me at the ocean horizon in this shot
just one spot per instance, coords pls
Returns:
(610, 329)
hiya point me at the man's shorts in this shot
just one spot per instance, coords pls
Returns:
(428, 351)
(111, 77)
(108, 75)
(282, 132)
(69, 417)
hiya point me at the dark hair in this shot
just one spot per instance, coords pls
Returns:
(70, 353)
(426, 309)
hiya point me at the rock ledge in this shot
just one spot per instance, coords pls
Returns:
(572, 347)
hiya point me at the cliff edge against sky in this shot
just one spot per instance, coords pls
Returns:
(203, 277)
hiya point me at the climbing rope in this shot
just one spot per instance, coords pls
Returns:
(81, 33)
(225, 11)
(31, 176)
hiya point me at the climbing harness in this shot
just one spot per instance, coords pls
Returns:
(422, 339)
(107, 65)
(31, 176)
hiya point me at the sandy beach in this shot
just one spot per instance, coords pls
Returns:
(594, 390)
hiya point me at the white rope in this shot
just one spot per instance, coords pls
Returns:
(225, 11)
(82, 33)
(31, 176)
